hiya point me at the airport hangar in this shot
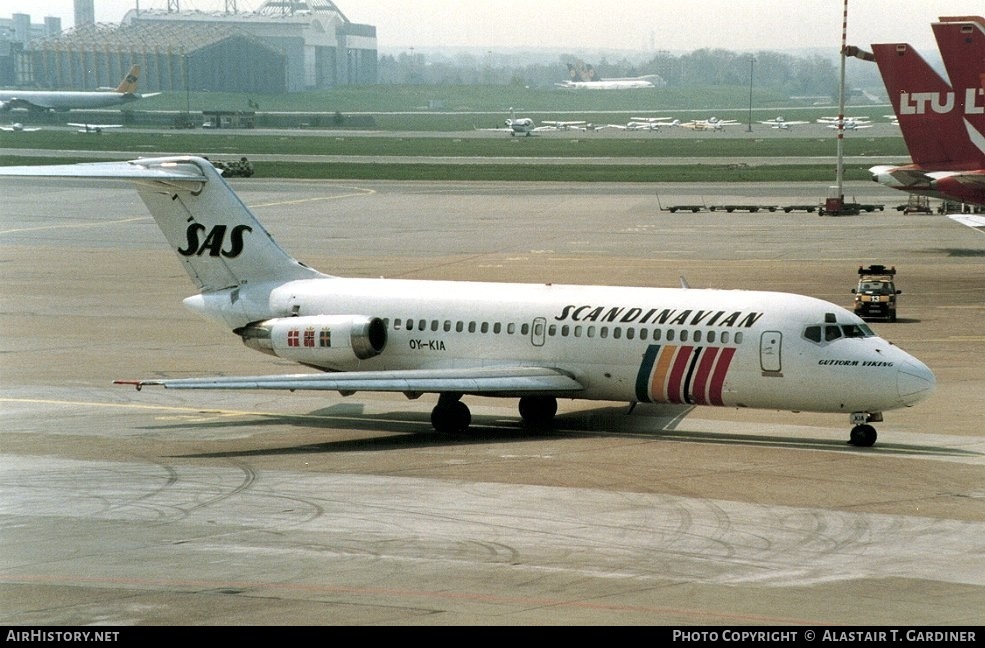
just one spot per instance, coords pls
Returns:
(284, 46)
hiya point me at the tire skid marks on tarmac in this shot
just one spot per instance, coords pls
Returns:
(427, 524)
(157, 492)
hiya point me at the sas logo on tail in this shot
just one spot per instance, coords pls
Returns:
(215, 241)
(920, 103)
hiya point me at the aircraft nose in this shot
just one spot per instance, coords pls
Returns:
(915, 381)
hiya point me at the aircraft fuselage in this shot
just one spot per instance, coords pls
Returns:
(702, 347)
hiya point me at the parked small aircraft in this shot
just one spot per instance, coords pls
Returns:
(18, 127)
(520, 126)
(780, 123)
(849, 123)
(712, 123)
(93, 128)
(648, 123)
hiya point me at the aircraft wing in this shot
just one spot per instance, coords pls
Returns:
(17, 102)
(165, 169)
(974, 221)
(498, 381)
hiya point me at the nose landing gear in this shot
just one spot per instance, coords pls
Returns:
(864, 435)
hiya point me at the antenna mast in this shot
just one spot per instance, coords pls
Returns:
(841, 105)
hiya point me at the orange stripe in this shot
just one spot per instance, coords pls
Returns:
(658, 384)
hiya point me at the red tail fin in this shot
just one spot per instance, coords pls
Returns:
(961, 40)
(925, 104)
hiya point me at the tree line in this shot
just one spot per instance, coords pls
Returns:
(792, 75)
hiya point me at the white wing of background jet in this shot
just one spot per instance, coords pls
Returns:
(974, 221)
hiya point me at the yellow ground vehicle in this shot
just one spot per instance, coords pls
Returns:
(875, 295)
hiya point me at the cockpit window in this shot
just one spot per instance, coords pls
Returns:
(830, 332)
(853, 331)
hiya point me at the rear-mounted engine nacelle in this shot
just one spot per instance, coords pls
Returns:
(318, 339)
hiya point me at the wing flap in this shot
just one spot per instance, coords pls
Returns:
(489, 380)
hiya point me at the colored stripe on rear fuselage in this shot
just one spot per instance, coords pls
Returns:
(683, 374)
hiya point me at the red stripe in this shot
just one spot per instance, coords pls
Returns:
(674, 394)
(699, 391)
(718, 379)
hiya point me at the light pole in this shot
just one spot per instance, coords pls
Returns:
(752, 64)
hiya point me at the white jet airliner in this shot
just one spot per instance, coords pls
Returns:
(534, 342)
(64, 100)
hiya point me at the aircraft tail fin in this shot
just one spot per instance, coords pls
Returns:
(217, 238)
(933, 129)
(129, 83)
(961, 40)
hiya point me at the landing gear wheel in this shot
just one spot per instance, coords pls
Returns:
(863, 436)
(451, 416)
(538, 411)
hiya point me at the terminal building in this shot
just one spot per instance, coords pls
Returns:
(284, 46)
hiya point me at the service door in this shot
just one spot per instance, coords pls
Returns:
(538, 331)
(769, 351)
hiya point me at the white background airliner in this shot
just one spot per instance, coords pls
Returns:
(533, 342)
(63, 100)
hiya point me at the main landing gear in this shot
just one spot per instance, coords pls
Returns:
(452, 416)
(863, 435)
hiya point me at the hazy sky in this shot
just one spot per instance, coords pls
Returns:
(594, 25)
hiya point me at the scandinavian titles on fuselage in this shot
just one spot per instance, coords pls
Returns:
(669, 316)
